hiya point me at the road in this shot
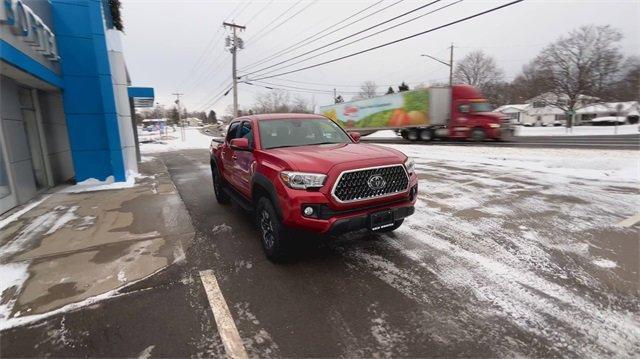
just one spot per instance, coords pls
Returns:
(617, 142)
(493, 264)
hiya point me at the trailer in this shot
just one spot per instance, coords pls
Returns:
(458, 112)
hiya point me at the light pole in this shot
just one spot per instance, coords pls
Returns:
(448, 64)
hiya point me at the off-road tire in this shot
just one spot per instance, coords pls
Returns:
(274, 237)
(218, 186)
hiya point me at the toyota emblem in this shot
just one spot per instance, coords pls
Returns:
(376, 182)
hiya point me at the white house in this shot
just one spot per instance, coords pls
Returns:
(536, 112)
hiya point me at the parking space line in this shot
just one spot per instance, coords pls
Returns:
(629, 222)
(226, 327)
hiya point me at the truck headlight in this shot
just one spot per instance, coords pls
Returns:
(302, 180)
(494, 125)
(410, 166)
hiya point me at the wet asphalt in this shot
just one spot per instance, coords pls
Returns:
(362, 295)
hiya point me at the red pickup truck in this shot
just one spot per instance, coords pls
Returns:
(301, 171)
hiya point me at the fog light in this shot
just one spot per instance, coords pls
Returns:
(308, 211)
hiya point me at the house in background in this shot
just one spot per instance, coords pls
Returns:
(538, 112)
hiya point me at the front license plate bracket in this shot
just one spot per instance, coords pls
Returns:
(381, 219)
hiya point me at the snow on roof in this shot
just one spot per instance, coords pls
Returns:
(627, 106)
(609, 119)
(517, 107)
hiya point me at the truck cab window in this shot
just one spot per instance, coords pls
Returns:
(232, 132)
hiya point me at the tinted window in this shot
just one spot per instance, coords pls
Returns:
(299, 132)
(233, 131)
(245, 132)
(481, 107)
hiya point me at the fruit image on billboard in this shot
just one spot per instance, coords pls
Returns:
(404, 109)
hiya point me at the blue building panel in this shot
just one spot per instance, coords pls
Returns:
(71, 18)
(82, 95)
(89, 101)
(86, 132)
(16, 58)
(80, 56)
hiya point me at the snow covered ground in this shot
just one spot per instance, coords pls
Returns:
(524, 241)
(577, 131)
(173, 142)
(548, 131)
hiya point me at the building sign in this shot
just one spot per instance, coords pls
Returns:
(24, 23)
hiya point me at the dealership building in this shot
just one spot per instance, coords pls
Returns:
(66, 101)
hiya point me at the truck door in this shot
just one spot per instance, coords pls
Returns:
(245, 161)
(459, 125)
(228, 154)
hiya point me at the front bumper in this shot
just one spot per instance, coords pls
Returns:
(351, 224)
(330, 218)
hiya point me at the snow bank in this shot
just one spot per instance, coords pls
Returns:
(606, 165)
(193, 139)
(93, 184)
(577, 130)
(383, 134)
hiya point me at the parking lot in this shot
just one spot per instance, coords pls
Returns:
(510, 252)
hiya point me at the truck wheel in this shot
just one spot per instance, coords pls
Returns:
(395, 226)
(478, 135)
(412, 135)
(273, 235)
(218, 185)
(425, 135)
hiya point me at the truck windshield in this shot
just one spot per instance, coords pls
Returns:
(300, 132)
(481, 107)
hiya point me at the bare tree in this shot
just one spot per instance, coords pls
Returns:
(581, 65)
(301, 105)
(272, 102)
(628, 87)
(477, 69)
(530, 83)
(367, 90)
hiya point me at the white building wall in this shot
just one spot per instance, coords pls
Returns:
(120, 91)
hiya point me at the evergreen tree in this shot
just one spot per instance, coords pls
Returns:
(403, 87)
(390, 90)
(212, 117)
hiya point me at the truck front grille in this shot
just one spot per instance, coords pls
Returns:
(367, 183)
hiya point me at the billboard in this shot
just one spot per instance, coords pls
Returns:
(403, 109)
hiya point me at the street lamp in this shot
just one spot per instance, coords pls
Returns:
(448, 64)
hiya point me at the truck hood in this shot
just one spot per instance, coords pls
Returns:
(321, 158)
(496, 116)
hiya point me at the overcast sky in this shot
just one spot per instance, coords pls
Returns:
(179, 45)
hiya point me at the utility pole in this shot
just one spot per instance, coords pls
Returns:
(451, 67)
(449, 64)
(234, 43)
(177, 102)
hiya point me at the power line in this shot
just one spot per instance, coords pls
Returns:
(284, 51)
(357, 40)
(210, 45)
(259, 12)
(394, 41)
(274, 20)
(345, 37)
(285, 20)
(320, 91)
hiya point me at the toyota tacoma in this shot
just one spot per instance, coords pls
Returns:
(302, 171)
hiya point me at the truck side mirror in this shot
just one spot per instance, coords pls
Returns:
(355, 136)
(240, 144)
